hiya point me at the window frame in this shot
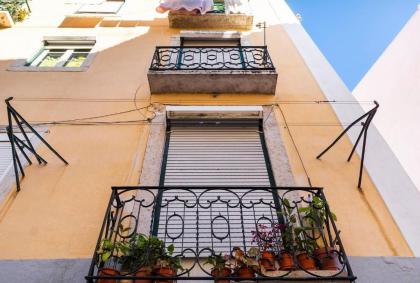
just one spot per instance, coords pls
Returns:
(68, 45)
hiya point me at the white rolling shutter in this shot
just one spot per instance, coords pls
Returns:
(6, 163)
(213, 156)
(228, 156)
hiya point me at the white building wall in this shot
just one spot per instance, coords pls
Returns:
(394, 81)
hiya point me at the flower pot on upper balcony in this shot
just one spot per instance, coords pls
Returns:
(327, 258)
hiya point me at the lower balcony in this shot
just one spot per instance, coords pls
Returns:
(220, 234)
(212, 69)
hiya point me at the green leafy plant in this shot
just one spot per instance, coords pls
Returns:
(107, 250)
(304, 243)
(218, 261)
(316, 212)
(314, 217)
(141, 250)
(167, 259)
(287, 228)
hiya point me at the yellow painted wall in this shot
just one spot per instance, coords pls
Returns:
(60, 209)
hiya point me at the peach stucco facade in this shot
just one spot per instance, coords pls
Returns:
(59, 210)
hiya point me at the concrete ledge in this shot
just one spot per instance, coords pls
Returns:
(386, 269)
(262, 82)
(221, 21)
(44, 271)
(367, 270)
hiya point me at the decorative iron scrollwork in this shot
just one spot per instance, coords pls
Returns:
(172, 58)
(195, 223)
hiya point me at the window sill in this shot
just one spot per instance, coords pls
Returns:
(47, 69)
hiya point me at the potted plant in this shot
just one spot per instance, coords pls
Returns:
(305, 245)
(168, 265)
(141, 254)
(266, 237)
(327, 258)
(246, 266)
(220, 267)
(109, 261)
(316, 215)
(285, 260)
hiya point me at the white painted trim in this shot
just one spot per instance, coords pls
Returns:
(214, 112)
(394, 185)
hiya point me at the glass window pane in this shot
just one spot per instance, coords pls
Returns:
(51, 59)
(76, 60)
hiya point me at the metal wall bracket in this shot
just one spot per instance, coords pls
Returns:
(367, 117)
(19, 144)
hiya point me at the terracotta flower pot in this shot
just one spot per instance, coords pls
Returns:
(268, 260)
(306, 262)
(328, 258)
(144, 272)
(165, 272)
(108, 272)
(246, 272)
(225, 272)
(286, 261)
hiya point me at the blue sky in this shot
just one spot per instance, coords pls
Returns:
(352, 34)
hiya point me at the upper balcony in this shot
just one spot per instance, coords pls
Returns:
(231, 233)
(212, 69)
(227, 14)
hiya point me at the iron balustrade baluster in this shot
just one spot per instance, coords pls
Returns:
(204, 213)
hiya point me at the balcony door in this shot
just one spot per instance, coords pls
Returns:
(227, 154)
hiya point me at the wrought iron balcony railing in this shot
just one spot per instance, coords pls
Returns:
(158, 227)
(170, 58)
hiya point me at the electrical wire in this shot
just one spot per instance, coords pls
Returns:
(295, 146)
(147, 120)
(113, 100)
